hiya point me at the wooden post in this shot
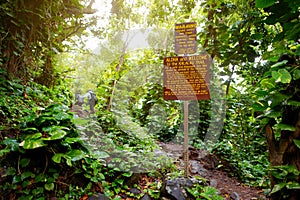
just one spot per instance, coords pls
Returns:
(186, 139)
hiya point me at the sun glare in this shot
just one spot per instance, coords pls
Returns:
(103, 7)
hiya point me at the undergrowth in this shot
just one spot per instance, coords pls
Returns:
(46, 152)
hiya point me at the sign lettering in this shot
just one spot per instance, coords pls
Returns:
(186, 38)
(186, 77)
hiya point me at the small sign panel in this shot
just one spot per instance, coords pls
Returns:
(186, 38)
(187, 77)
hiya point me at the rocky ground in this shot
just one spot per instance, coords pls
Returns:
(206, 166)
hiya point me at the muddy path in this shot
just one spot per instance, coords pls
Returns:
(206, 166)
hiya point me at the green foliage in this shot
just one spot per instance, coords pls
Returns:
(32, 34)
(249, 163)
(243, 145)
(204, 192)
(262, 52)
(137, 96)
(264, 3)
(277, 95)
(258, 44)
(40, 144)
(47, 135)
(235, 44)
(31, 97)
(287, 178)
(297, 143)
(150, 110)
(125, 152)
(240, 144)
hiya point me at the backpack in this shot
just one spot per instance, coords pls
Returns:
(93, 97)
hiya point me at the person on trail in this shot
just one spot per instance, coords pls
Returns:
(79, 99)
(92, 100)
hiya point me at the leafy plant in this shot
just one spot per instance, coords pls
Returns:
(151, 111)
(287, 178)
(48, 145)
(204, 192)
(30, 49)
(44, 148)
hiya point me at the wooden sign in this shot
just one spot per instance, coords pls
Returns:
(187, 77)
(186, 38)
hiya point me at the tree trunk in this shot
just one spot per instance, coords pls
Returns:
(284, 151)
(118, 69)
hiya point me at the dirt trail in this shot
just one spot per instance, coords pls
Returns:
(206, 166)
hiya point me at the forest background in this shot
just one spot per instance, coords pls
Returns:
(252, 118)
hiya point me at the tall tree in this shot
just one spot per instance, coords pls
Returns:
(32, 32)
(259, 41)
(279, 95)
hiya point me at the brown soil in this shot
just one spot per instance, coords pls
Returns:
(227, 186)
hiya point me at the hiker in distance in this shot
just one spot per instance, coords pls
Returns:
(92, 100)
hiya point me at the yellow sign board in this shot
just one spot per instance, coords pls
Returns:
(186, 38)
(186, 77)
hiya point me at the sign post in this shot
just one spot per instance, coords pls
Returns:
(186, 77)
(186, 139)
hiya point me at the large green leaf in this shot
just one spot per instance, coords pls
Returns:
(24, 162)
(293, 170)
(32, 144)
(261, 93)
(62, 116)
(55, 135)
(16, 179)
(286, 127)
(102, 154)
(285, 76)
(127, 174)
(297, 143)
(296, 74)
(73, 140)
(276, 99)
(264, 3)
(49, 186)
(268, 83)
(279, 64)
(293, 103)
(297, 50)
(293, 185)
(27, 174)
(50, 128)
(68, 160)
(29, 129)
(282, 75)
(278, 187)
(57, 108)
(273, 114)
(43, 119)
(259, 106)
(75, 154)
(57, 157)
(33, 136)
